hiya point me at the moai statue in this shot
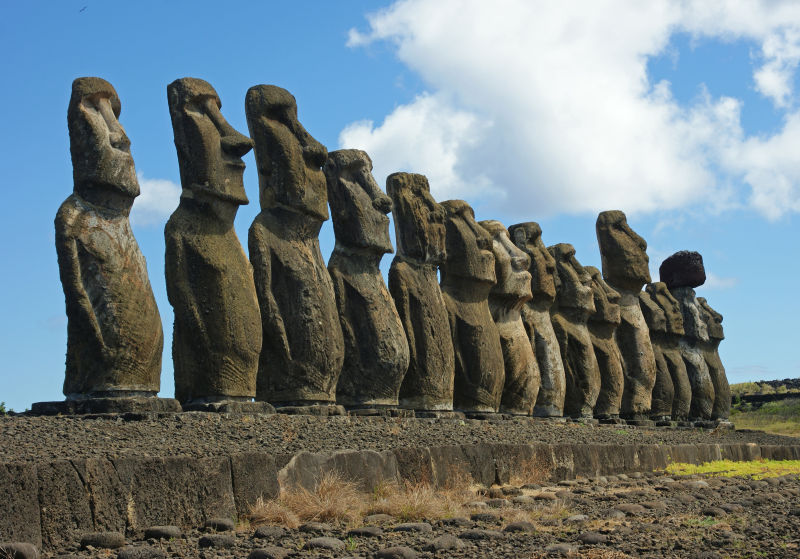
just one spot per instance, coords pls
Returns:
(666, 347)
(506, 300)
(375, 347)
(217, 335)
(625, 268)
(114, 335)
(414, 285)
(467, 277)
(722, 390)
(573, 305)
(536, 318)
(602, 325)
(682, 272)
(303, 344)
(663, 390)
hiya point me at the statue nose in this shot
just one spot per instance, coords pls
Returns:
(119, 140)
(236, 144)
(383, 204)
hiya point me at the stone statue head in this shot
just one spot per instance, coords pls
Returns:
(358, 207)
(622, 251)
(101, 151)
(528, 237)
(469, 246)
(713, 320)
(289, 160)
(209, 149)
(653, 313)
(510, 265)
(418, 218)
(669, 305)
(573, 286)
(606, 298)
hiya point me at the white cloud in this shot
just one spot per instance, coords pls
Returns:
(714, 281)
(549, 105)
(158, 199)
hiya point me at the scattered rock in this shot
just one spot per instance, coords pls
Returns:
(103, 540)
(141, 552)
(366, 532)
(561, 549)
(577, 518)
(714, 511)
(398, 552)
(479, 534)
(315, 528)
(413, 527)
(498, 503)
(545, 496)
(221, 541)
(477, 505)
(484, 517)
(592, 538)
(521, 526)
(269, 532)
(444, 543)
(631, 509)
(269, 552)
(162, 532)
(219, 525)
(458, 521)
(333, 544)
(511, 491)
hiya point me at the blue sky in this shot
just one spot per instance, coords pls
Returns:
(684, 115)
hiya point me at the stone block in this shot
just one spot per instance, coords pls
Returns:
(19, 495)
(255, 475)
(64, 504)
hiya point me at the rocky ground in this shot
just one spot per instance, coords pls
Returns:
(642, 515)
(43, 438)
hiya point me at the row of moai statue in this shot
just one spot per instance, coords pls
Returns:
(511, 326)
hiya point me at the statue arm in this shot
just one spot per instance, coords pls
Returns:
(271, 319)
(77, 298)
(402, 303)
(181, 290)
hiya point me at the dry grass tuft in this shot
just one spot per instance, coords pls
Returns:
(418, 501)
(333, 499)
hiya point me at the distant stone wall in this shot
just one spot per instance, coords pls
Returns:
(54, 503)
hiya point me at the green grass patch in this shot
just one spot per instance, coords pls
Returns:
(781, 417)
(755, 469)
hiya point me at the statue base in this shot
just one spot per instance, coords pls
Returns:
(439, 414)
(322, 410)
(584, 420)
(231, 406)
(381, 412)
(612, 421)
(484, 415)
(641, 422)
(105, 405)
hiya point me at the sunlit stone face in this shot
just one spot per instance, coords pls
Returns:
(101, 154)
(528, 237)
(672, 309)
(418, 218)
(469, 246)
(289, 159)
(360, 209)
(510, 264)
(623, 252)
(574, 283)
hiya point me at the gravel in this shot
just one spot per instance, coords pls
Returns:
(198, 434)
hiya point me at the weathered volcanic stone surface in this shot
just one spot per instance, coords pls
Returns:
(663, 390)
(696, 335)
(217, 335)
(536, 318)
(667, 350)
(602, 325)
(573, 306)
(375, 347)
(683, 269)
(114, 335)
(625, 268)
(506, 299)
(303, 344)
(414, 285)
(722, 390)
(467, 277)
